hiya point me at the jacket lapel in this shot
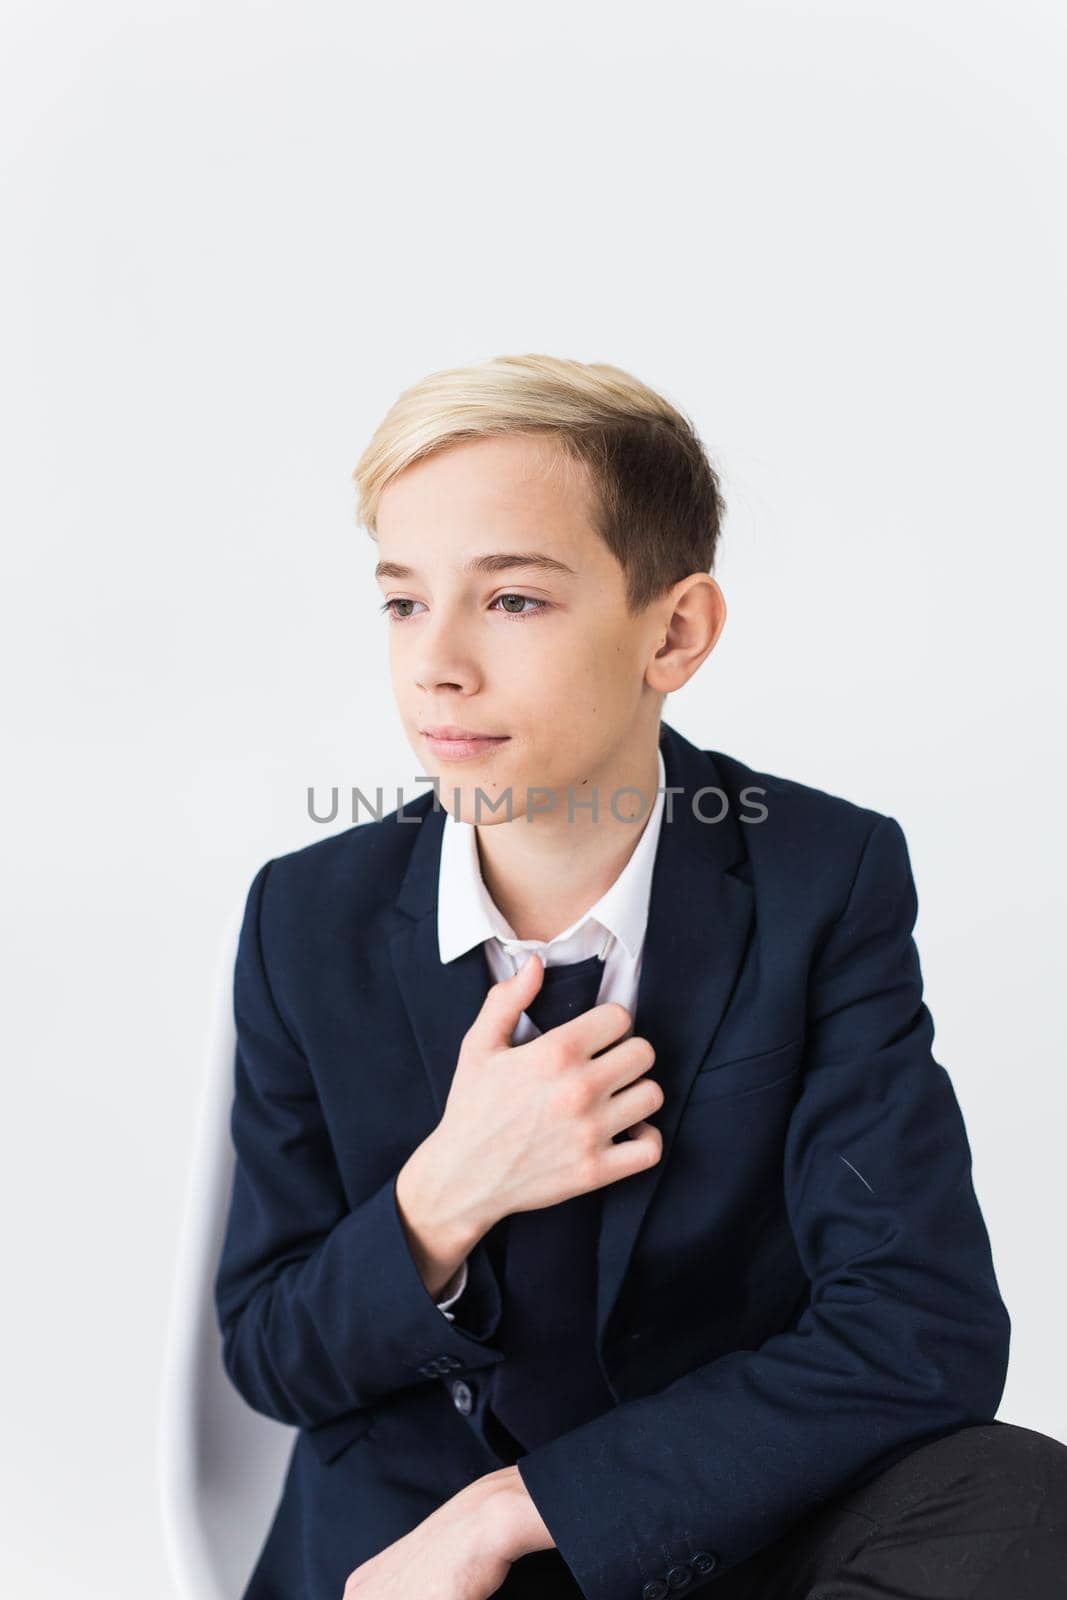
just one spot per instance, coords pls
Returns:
(699, 918)
(700, 915)
(441, 1000)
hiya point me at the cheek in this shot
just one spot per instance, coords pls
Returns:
(610, 657)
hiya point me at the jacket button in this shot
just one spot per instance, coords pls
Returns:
(462, 1399)
(654, 1589)
(704, 1561)
(679, 1577)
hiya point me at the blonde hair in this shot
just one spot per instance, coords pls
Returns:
(656, 499)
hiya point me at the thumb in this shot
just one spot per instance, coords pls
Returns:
(505, 1002)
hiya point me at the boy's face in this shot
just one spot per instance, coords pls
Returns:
(560, 672)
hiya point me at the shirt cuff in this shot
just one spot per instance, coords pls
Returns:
(452, 1290)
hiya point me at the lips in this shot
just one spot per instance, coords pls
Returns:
(452, 730)
(458, 744)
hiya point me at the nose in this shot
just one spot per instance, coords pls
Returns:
(443, 659)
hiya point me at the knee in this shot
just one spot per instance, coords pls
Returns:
(1009, 1462)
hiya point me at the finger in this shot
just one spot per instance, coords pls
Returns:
(627, 1108)
(634, 1152)
(504, 1003)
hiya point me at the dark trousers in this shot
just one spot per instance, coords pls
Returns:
(979, 1514)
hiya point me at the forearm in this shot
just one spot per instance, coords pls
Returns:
(344, 1327)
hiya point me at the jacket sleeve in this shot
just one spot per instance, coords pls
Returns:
(905, 1334)
(321, 1305)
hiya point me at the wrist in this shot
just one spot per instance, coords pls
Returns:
(514, 1525)
(443, 1180)
(440, 1231)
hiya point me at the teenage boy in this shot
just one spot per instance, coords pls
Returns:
(601, 1214)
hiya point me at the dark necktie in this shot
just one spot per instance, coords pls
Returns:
(550, 1380)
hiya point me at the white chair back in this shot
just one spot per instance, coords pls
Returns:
(222, 1465)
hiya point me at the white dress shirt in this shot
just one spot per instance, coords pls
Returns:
(613, 928)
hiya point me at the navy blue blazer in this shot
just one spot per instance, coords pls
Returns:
(794, 1296)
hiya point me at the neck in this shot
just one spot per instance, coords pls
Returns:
(544, 874)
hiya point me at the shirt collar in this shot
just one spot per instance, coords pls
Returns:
(467, 915)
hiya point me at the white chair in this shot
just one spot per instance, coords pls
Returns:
(221, 1464)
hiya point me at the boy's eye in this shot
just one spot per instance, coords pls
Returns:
(523, 599)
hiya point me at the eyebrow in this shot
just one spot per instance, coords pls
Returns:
(504, 561)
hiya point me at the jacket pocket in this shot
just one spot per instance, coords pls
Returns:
(744, 1073)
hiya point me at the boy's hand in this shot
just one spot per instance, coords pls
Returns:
(526, 1126)
(461, 1551)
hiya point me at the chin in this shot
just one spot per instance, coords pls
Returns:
(488, 788)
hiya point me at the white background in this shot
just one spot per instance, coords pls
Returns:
(834, 234)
